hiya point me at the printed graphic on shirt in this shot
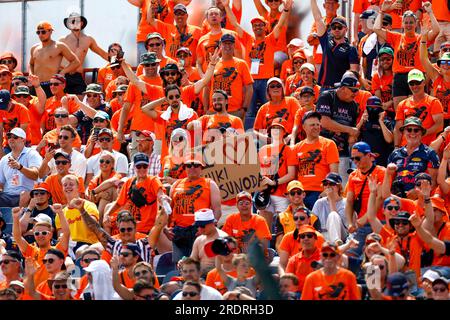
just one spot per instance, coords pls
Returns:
(180, 40)
(9, 124)
(223, 81)
(161, 11)
(258, 52)
(210, 48)
(308, 161)
(279, 116)
(405, 54)
(333, 292)
(443, 95)
(184, 202)
(420, 113)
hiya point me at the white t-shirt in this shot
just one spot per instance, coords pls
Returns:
(121, 163)
(322, 209)
(78, 164)
(207, 293)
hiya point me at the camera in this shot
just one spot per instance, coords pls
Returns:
(218, 247)
(374, 113)
(96, 131)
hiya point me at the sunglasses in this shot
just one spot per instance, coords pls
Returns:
(7, 61)
(193, 165)
(39, 193)
(328, 255)
(50, 261)
(415, 130)
(89, 260)
(293, 193)
(6, 262)
(38, 32)
(60, 286)
(172, 73)
(179, 13)
(445, 49)
(139, 273)
(54, 84)
(63, 162)
(390, 208)
(302, 218)
(105, 139)
(352, 89)
(415, 83)
(129, 229)
(115, 67)
(17, 290)
(107, 162)
(11, 136)
(94, 95)
(298, 62)
(326, 183)
(177, 96)
(401, 222)
(63, 137)
(189, 293)
(355, 158)
(20, 96)
(154, 64)
(61, 115)
(125, 254)
(182, 56)
(142, 166)
(270, 1)
(275, 86)
(17, 83)
(439, 289)
(115, 94)
(445, 62)
(4, 74)
(152, 45)
(96, 120)
(307, 235)
(44, 233)
(179, 139)
(385, 24)
(337, 27)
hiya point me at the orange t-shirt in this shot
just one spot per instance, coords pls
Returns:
(189, 39)
(129, 282)
(55, 187)
(355, 183)
(244, 231)
(262, 50)
(17, 116)
(213, 279)
(165, 13)
(231, 76)
(441, 90)
(397, 14)
(313, 161)
(37, 255)
(292, 246)
(216, 121)
(44, 289)
(146, 215)
(164, 60)
(272, 162)
(406, 50)
(300, 265)
(189, 197)
(97, 180)
(193, 74)
(424, 110)
(34, 128)
(286, 110)
(105, 76)
(341, 286)
(298, 120)
(443, 235)
(115, 105)
(384, 84)
(176, 169)
(441, 10)
(48, 117)
(115, 121)
(237, 13)
(361, 100)
(411, 249)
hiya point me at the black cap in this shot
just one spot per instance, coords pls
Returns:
(387, 18)
(227, 37)
(106, 131)
(311, 114)
(423, 176)
(140, 158)
(307, 90)
(333, 177)
(403, 215)
(367, 14)
(374, 101)
(14, 254)
(348, 80)
(340, 20)
(62, 154)
(181, 7)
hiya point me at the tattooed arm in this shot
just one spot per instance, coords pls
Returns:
(94, 226)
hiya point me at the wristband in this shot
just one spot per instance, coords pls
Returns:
(21, 167)
(423, 42)
(428, 200)
(286, 10)
(238, 296)
(93, 192)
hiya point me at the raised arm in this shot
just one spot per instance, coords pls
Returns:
(378, 25)
(437, 245)
(137, 3)
(283, 19)
(149, 108)
(30, 271)
(262, 11)
(94, 226)
(442, 173)
(232, 18)
(89, 111)
(320, 24)
(435, 29)
(375, 223)
(132, 76)
(17, 232)
(432, 73)
(40, 93)
(96, 48)
(206, 79)
(150, 19)
(65, 230)
(216, 200)
(220, 271)
(122, 291)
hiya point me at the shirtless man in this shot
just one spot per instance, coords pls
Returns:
(207, 232)
(79, 43)
(46, 57)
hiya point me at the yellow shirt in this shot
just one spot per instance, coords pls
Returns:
(79, 232)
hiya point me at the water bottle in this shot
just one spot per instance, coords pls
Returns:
(167, 207)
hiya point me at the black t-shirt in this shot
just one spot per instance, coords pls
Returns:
(342, 112)
(372, 134)
(85, 123)
(447, 248)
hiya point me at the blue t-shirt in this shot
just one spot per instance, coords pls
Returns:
(336, 59)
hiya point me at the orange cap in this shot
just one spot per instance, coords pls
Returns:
(330, 247)
(306, 228)
(44, 25)
(295, 184)
(438, 203)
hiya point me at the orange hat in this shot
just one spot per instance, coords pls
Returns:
(44, 25)
(244, 195)
(438, 203)
(299, 54)
(194, 158)
(295, 184)
(330, 247)
(306, 229)
(41, 186)
(8, 55)
(4, 68)
(259, 18)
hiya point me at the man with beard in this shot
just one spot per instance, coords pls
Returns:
(79, 43)
(46, 57)
(382, 80)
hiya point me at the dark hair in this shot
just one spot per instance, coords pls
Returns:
(290, 276)
(171, 87)
(69, 128)
(114, 44)
(222, 92)
(191, 261)
(8, 292)
(141, 285)
(56, 252)
(125, 216)
(90, 251)
(194, 284)
(311, 115)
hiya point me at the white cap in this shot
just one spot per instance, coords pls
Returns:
(296, 42)
(204, 216)
(308, 66)
(19, 132)
(431, 275)
(43, 218)
(17, 283)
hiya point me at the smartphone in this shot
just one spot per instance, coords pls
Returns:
(120, 55)
(96, 131)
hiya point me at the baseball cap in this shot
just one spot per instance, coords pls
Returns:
(19, 133)
(185, 50)
(93, 88)
(22, 91)
(133, 247)
(153, 35)
(445, 57)
(306, 90)
(311, 114)
(5, 98)
(397, 284)
(362, 147)
(17, 283)
(327, 246)
(44, 25)
(62, 154)
(348, 80)
(244, 195)
(386, 50)
(274, 79)
(295, 184)
(431, 275)
(367, 14)
(339, 20)
(149, 57)
(308, 66)
(121, 88)
(391, 200)
(40, 186)
(227, 37)
(422, 176)
(147, 134)
(258, 18)
(59, 78)
(403, 215)
(374, 101)
(181, 7)
(446, 44)
(412, 121)
(443, 280)
(296, 42)
(140, 158)
(42, 218)
(299, 55)
(387, 18)
(415, 75)
(106, 131)
(193, 159)
(203, 217)
(306, 229)
(102, 115)
(333, 177)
